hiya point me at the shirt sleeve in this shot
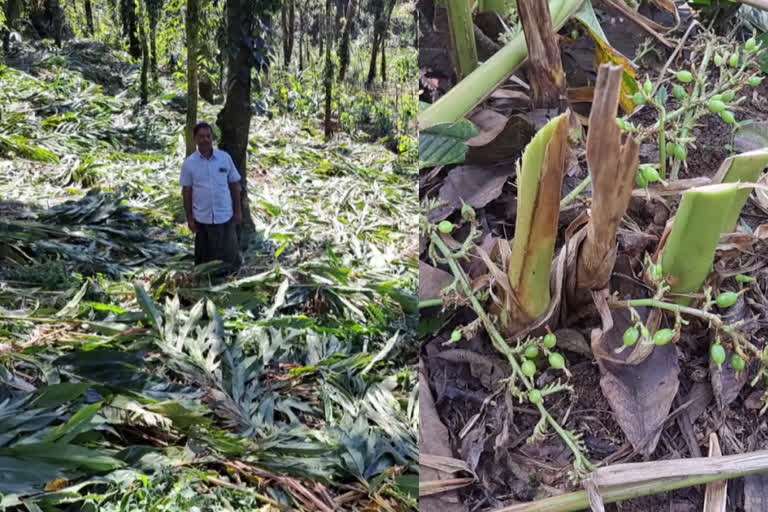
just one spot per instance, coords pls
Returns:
(186, 176)
(233, 176)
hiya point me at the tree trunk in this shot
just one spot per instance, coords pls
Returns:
(288, 25)
(153, 50)
(235, 118)
(12, 13)
(89, 16)
(154, 9)
(374, 54)
(322, 37)
(193, 20)
(144, 93)
(384, 58)
(291, 30)
(284, 29)
(545, 68)
(328, 69)
(344, 46)
(128, 15)
(301, 40)
(378, 36)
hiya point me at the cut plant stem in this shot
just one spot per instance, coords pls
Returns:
(613, 167)
(498, 342)
(745, 168)
(462, 36)
(626, 481)
(539, 181)
(545, 67)
(690, 247)
(430, 303)
(662, 144)
(470, 91)
(497, 6)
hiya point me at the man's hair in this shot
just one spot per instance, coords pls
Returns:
(201, 125)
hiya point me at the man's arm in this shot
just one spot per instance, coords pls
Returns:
(186, 193)
(234, 191)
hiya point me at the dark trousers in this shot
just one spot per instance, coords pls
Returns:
(217, 242)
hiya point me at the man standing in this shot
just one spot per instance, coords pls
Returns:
(211, 191)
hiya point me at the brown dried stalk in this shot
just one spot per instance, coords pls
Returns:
(612, 166)
(545, 68)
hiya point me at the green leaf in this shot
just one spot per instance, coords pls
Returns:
(78, 423)
(605, 53)
(66, 455)
(28, 476)
(57, 394)
(408, 484)
(444, 144)
(71, 306)
(148, 306)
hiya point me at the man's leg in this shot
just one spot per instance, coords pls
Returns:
(226, 247)
(200, 243)
(205, 243)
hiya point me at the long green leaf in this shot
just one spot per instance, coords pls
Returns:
(148, 306)
(78, 423)
(66, 455)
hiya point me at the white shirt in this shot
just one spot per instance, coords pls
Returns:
(210, 179)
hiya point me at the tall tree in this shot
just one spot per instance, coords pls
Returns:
(328, 68)
(301, 39)
(377, 6)
(344, 46)
(154, 8)
(288, 22)
(248, 47)
(12, 10)
(89, 16)
(144, 90)
(128, 16)
(193, 22)
(47, 17)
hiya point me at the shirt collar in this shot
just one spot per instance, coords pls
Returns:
(213, 154)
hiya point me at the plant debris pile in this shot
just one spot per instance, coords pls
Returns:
(129, 381)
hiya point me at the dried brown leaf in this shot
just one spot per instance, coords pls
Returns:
(433, 440)
(640, 395)
(431, 281)
(475, 185)
(501, 139)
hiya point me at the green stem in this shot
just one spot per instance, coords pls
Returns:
(573, 194)
(463, 35)
(498, 342)
(430, 303)
(497, 6)
(470, 91)
(662, 144)
(713, 319)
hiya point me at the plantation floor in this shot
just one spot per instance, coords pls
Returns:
(130, 382)
(487, 429)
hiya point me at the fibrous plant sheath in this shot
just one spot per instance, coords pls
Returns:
(745, 168)
(690, 247)
(539, 179)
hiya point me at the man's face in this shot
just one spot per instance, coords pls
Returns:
(204, 139)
